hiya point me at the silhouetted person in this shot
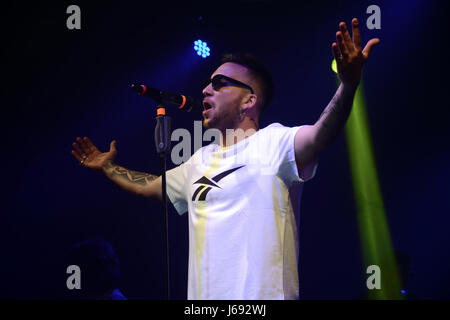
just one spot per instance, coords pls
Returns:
(100, 270)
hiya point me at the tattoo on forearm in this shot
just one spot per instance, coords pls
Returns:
(130, 175)
(336, 108)
(333, 118)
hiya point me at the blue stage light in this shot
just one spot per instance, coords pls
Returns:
(202, 48)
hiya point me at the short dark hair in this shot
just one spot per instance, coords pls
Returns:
(258, 69)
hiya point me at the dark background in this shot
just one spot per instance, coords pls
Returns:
(58, 84)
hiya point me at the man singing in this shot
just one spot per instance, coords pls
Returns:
(243, 241)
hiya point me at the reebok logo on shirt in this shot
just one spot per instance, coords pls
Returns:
(207, 185)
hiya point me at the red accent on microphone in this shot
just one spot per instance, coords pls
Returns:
(144, 89)
(183, 103)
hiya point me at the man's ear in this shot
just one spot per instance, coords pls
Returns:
(250, 104)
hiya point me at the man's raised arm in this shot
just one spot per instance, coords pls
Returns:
(139, 183)
(312, 140)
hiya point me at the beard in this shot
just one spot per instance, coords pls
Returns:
(220, 121)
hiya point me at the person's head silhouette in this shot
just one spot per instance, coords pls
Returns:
(100, 270)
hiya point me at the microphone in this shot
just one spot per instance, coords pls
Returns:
(165, 98)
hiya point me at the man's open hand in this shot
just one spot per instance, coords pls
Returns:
(348, 54)
(89, 156)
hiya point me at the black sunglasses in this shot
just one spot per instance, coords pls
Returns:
(219, 81)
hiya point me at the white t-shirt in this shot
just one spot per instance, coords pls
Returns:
(243, 240)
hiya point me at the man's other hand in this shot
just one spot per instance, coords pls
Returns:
(348, 54)
(89, 156)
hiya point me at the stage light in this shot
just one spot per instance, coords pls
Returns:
(376, 242)
(202, 48)
(334, 66)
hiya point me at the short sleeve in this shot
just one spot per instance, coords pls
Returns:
(176, 188)
(308, 172)
(281, 143)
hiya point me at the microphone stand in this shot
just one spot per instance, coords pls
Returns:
(162, 141)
